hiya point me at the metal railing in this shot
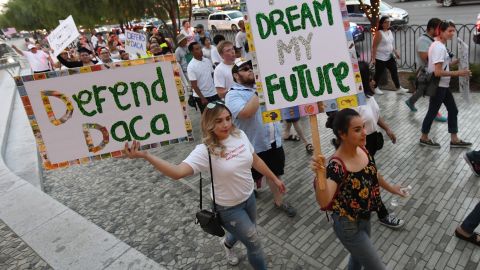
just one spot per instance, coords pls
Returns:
(405, 41)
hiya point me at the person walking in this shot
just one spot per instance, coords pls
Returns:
(232, 157)
(181, 53)
(439, 63)
(466, 231)
(384, 55)
(352, 189)
(244, 104)
(38, 60)
(200, 74)
(222, 76)
(370, 113)
(423, 43)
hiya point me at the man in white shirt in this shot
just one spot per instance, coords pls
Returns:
(39, 61)
(241, 39)
(216, 58)
(200, 74)
(222, 77)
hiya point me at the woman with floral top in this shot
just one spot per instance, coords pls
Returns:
(352, 189)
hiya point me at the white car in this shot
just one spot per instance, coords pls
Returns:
(225, 20)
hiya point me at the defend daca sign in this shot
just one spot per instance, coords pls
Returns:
(311, 60)
(90, 113)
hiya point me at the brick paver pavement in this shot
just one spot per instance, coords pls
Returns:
(131, 200)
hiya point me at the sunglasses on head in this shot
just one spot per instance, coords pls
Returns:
(213, 104)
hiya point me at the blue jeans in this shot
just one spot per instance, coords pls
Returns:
(443, 95)
(240, 223)
(472, 220)
(355, 237)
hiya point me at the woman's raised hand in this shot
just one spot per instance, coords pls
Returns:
(134, 150)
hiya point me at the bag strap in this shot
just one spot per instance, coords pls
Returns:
(429, 37)
(211, 179)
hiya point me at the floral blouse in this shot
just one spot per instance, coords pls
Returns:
(358, 193)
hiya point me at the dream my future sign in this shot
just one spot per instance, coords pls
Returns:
(86, 114)
(301, 51)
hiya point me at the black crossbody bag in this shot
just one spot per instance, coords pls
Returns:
(208, 220)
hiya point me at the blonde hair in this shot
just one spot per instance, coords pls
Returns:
(209, 116)
(222, 45)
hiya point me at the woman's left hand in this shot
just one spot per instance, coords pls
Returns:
(280, 185)
(397, 54)
(392, 136)
(397, 189)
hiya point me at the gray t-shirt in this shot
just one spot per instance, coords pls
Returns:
(423, 43)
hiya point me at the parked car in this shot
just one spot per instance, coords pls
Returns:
(398, 16)
(225, 20)
(476, 31)
(203, 12)
(357, 32)
(449, 3)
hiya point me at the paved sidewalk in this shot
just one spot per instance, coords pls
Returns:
(156, 215)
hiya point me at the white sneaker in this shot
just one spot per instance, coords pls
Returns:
(232, 258)
(378, 91)
(402, 90)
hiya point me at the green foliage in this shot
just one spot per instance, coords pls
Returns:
(475, 68)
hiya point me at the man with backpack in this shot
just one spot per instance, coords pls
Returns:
(423, 44)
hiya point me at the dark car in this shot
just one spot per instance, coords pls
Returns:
(357, 32)
(449, 3)
(476, 31)
(203, 12)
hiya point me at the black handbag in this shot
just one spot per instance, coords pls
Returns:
(379, 140)
(191, 101)
(209, 220)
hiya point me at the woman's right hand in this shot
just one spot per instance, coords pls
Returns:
(318, 164)
(134, 151)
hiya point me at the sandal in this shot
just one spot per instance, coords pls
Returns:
(472, 238)
(309, 148)
(294, 138)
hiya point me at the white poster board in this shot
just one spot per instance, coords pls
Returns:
(135, 44)
(464, 82)
(63, 35)
(301, 51)
(94, 113)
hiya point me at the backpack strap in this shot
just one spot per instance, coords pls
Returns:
(345, 173)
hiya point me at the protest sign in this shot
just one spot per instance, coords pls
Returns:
(88, 113)
(135, 43)
(63, 35)
(302, 51)
(464, 82)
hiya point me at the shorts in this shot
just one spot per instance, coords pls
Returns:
(293, 120)
(275, 160)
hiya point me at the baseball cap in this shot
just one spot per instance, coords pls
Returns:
(31, 46)
(180, 38)
(239, 62)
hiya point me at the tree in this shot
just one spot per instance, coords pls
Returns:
(372, 11)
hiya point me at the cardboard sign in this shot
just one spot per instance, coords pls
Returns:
(464, 82)
(63, 35)
(89, 113)
(135, 43)
(302, 51)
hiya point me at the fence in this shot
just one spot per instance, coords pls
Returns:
(406, 40)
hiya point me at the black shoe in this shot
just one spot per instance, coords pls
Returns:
(474, 165)
(460, 144)
(429, 143)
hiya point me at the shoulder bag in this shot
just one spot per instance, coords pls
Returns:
(209, 220)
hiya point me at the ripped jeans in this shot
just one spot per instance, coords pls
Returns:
(240, 223)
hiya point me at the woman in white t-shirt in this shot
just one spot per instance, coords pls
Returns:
(370, 113)
(384, 54)
(439, 63)
(233, 157)
(188, 31)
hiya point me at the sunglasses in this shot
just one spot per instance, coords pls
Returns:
(247, 68)
(213, 104)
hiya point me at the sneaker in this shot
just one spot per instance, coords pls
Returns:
(287, 208)
(402, 90)
(474, 165)
(441, 118)
(460, 144)
(392, 222)
(232, 258)
(378, 91)
(429, 143)
(410, 105)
